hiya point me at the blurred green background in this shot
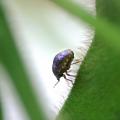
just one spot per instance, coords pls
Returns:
(96, 93)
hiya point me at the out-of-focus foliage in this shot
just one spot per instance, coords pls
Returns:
(11, 60)
(1, 114)
(96, 93)
(104, 27)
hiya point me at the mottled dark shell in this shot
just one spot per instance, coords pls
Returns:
(62, 62)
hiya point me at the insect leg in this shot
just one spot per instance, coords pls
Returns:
(67, 78)
(76, 61)
(70, 75)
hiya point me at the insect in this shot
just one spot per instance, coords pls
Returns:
(62, 62)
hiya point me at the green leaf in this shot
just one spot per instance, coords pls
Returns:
(1, 112)
(11, 60)
(96, 93)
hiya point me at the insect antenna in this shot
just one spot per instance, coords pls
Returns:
(56, 84)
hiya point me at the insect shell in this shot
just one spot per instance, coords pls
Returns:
(62, 62)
